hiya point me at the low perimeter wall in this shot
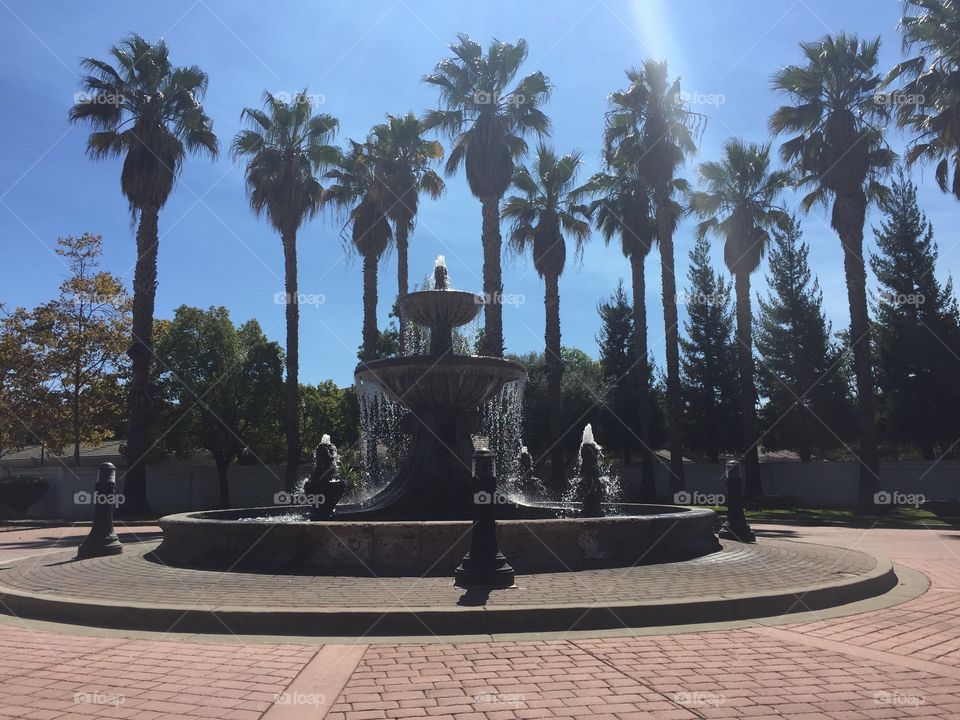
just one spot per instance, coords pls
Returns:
(184, 487)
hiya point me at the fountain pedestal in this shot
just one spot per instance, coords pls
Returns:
(484, 565)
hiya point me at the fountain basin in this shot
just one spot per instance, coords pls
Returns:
(231, 539)
(429, 383)
(446, 308)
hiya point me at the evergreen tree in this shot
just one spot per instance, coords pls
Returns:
(709, 360)
(916, 331)
(803, 375)
(621, 373)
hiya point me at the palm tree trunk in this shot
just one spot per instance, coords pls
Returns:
(551, 336)
(292, 405)
(671, 335)
(403, 244)
(492, 280)
(370, 333)
(748, 403)
(648, 490)
(141, 355)
(849, 214)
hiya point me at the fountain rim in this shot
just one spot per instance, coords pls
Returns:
(428, 363)
(477, 298)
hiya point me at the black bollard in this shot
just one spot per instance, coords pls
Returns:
(484, 566)
(735, 527)
(102, 540)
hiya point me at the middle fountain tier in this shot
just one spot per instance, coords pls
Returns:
(443, 392)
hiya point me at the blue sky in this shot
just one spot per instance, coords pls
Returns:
(363, 59)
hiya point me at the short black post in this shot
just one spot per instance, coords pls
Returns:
(102, 540)
(735, 527)
(485, 566)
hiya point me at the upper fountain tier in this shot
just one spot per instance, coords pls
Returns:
(440, 309)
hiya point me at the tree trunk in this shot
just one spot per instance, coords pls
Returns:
(141, 355)
(551, 305)
(671, 335)
(370, 333)
(492, 280)
(403, 273)
(648, 490)
(75, 402)
(748, 403)
(223, 464)
(292, 405)
(848, 219)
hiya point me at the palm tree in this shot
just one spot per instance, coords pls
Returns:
(148, 111)
(622, 207)
(404, 157)
(650, 123)
(737, 204)
(285, 146)
(358, 192)
(547, 210)
(487, 122)
(929, 102)
(839, 153)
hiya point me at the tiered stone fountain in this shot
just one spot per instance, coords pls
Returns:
(443, 392)
(419, 523)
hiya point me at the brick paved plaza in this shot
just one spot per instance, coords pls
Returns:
(902, 660)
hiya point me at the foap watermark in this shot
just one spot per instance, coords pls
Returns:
(895, 497)
(486, 498)
(899, 299)
(695, 497)
(299, 498)
(695, 97)
(699, 699)
(287, 97)
(500, 298)
(898, 698)
(303, 699)
(895, 99)
(511, 699)
(84, 497)
(99, 98)
(699, 298)
(300, 298)
(99, 698)
(482, 97)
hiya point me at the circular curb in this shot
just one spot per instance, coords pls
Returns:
(460, 620)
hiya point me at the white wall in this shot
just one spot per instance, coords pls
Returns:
(820, 483)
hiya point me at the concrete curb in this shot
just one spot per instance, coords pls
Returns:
(402, 621)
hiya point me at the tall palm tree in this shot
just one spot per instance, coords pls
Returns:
(286, 146)
(143, 108)
(622, 207)
(738, 204)
(487, 123)
(929, 102)
(650, 122)
(839, 152)
(547, 209)
(404, 157)
(357, 191)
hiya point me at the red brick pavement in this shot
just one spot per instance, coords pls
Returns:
(903, 661)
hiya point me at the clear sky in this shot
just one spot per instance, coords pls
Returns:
(364, 59)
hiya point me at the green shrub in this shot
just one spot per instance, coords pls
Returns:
(20, 492)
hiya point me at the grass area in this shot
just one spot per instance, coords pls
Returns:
(945, 515)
